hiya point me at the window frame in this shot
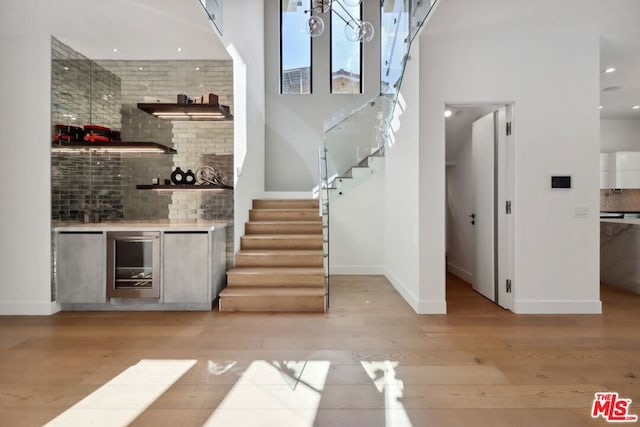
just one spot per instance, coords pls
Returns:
(281, 39)
(331, 55)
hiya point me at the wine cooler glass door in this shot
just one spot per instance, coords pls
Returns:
(133, 265)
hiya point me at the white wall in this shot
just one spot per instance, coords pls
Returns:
(25, 264)
(294, 122)
(357, 227)
(401, 225)
(247, 51)
(481, 52)
(619, 135)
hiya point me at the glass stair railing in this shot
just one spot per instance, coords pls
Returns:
(354, 133)
(355, 137)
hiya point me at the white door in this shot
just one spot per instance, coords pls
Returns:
(483, 141)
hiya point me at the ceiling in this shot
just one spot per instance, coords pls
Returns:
(614, 21)
(138, 29)
(620, 48)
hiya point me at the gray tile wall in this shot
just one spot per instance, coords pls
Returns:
(197, 142)
(82, 92)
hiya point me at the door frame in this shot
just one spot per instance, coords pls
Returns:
(504, 190)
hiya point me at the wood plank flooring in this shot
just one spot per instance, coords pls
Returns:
(477, 366)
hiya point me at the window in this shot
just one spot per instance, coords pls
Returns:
(394, 36)
(295, 47)
(346, 55)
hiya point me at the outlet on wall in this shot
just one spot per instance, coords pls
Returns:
(581, 212)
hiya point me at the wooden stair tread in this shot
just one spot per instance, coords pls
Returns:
(280, 264)
(285, 204)
(285, 200)
(315, 236)
(271, 291)
(285, 209)
(278, 270)
(285, 222)
(279, 252)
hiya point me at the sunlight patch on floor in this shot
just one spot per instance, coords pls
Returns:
(383, 375)
(121, 400)
(274, 394)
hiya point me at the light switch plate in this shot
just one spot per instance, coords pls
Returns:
(581, 212)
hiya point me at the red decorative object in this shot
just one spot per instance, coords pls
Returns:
(93, 133)
(66, 133)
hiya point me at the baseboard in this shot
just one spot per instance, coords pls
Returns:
(460, 273)
(432, 307)
(357, 269)
(20, 308)
(557, 307)
(419, 306)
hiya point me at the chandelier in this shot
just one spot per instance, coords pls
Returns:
(355, 29)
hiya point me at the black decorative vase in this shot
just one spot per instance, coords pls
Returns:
(189, 177)
(178, 176)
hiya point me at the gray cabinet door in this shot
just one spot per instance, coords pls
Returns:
(185, 268)
(81, 267)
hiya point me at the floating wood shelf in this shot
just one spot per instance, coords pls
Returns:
(113, 147)
(193, 187)
(187, 111)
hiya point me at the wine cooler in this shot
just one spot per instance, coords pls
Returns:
(133, 265)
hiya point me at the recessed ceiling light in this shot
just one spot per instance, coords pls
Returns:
(636, 107)
(179, 49)
(115, 49)
(447, 113)
(610, 70)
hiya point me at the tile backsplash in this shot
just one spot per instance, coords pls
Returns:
(620, 200)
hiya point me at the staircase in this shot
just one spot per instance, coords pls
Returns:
(358, 173)
(280, 265)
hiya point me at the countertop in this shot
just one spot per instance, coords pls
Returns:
(160, 225)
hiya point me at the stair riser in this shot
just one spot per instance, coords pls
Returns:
(271, 260)
(285, 204)
(262, 243)
(282, 280)
(290, 228)
(360, 174)
(284, 215)
(277, 303)
(345, 184)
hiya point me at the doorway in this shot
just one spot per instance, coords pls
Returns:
(479, 180)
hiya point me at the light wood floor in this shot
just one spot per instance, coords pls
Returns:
(477, 366)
